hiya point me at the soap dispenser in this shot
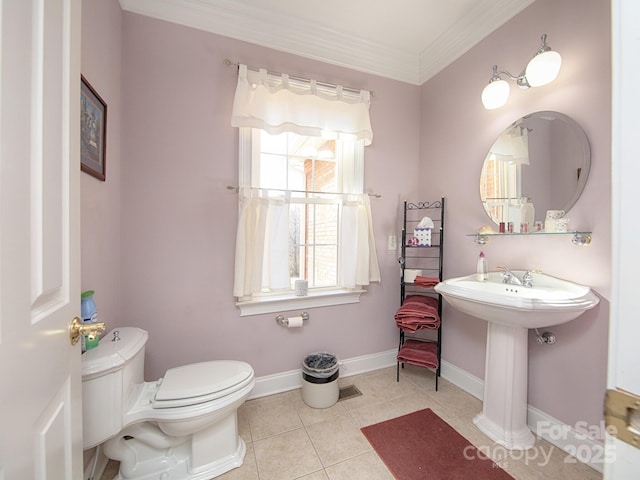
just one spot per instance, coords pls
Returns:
(482, 270)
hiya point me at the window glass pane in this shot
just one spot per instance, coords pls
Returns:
(296, 174)
(308, 235)
(311, 147)
(297, 255)
(306, 164)
(313, 244)
(323, 262)
(324, 176)
(326, 224)
(273, 143)
(297, 240)
(273, 171)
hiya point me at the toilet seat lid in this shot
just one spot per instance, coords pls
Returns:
(203, 381)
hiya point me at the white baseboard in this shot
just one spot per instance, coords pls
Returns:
(276, 383)
(566, 438)
(544, 425)
(285, 381)
(368, 363)
(463, 379)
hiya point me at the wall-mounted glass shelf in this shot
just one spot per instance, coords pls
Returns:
(578, 238)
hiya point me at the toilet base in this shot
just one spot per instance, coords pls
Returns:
(177, 469)
(146, 453)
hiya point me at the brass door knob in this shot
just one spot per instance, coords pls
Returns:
(78, 329)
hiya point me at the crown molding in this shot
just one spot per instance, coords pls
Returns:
(479, 22)
(260, 26)
(265, 28)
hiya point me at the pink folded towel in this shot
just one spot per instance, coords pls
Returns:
(427, 282)
(418, 311)
(422, 354)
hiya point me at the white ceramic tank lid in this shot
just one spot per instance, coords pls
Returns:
(112, 354)
(198, 379)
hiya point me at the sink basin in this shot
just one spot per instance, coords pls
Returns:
(510, 311)
(551, 300)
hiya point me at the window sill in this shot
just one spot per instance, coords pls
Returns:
(283, 303)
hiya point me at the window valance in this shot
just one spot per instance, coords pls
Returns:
(277, 104)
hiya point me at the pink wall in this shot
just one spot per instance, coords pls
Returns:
(566, 380)
(158, 236)
(101, 64)
(179, 220)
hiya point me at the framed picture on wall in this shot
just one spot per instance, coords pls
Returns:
(93, 135)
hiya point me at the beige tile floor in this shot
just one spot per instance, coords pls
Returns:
(288, 440)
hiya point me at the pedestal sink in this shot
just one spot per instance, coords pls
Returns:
(511, 310)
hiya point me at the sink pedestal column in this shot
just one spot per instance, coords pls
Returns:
(504, 411)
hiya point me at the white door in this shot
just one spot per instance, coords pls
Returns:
(624, 341)
(40, 384)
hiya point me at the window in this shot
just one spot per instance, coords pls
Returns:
(501, 177)
(500, 181)
(302, 211)
(309, 174)
(313, 170)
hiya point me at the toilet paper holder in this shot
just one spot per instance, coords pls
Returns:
(282, 320)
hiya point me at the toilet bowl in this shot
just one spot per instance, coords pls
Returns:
(182, 426)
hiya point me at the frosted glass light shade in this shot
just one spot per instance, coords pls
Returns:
(495, 94)
(543, 68)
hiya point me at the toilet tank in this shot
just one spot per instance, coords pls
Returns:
(112, 376)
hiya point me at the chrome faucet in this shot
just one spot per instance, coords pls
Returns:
(527, 279)
(511, 278)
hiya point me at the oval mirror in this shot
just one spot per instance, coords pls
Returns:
(540, 162)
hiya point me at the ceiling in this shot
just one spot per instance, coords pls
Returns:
(406, 40)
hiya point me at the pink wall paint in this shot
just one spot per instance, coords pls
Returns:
(566, 380)
(179, 220)
(101, 64)
(168, 268)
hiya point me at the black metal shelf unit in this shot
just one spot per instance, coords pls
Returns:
(428, 262)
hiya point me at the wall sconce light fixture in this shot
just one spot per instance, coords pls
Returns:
(542, 69)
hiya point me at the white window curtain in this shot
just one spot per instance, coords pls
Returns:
(262, 242)
(279, 104)
(358, 261)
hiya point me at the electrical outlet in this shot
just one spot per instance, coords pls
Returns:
(392, 245)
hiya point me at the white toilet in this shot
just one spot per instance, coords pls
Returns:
(182, 426)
